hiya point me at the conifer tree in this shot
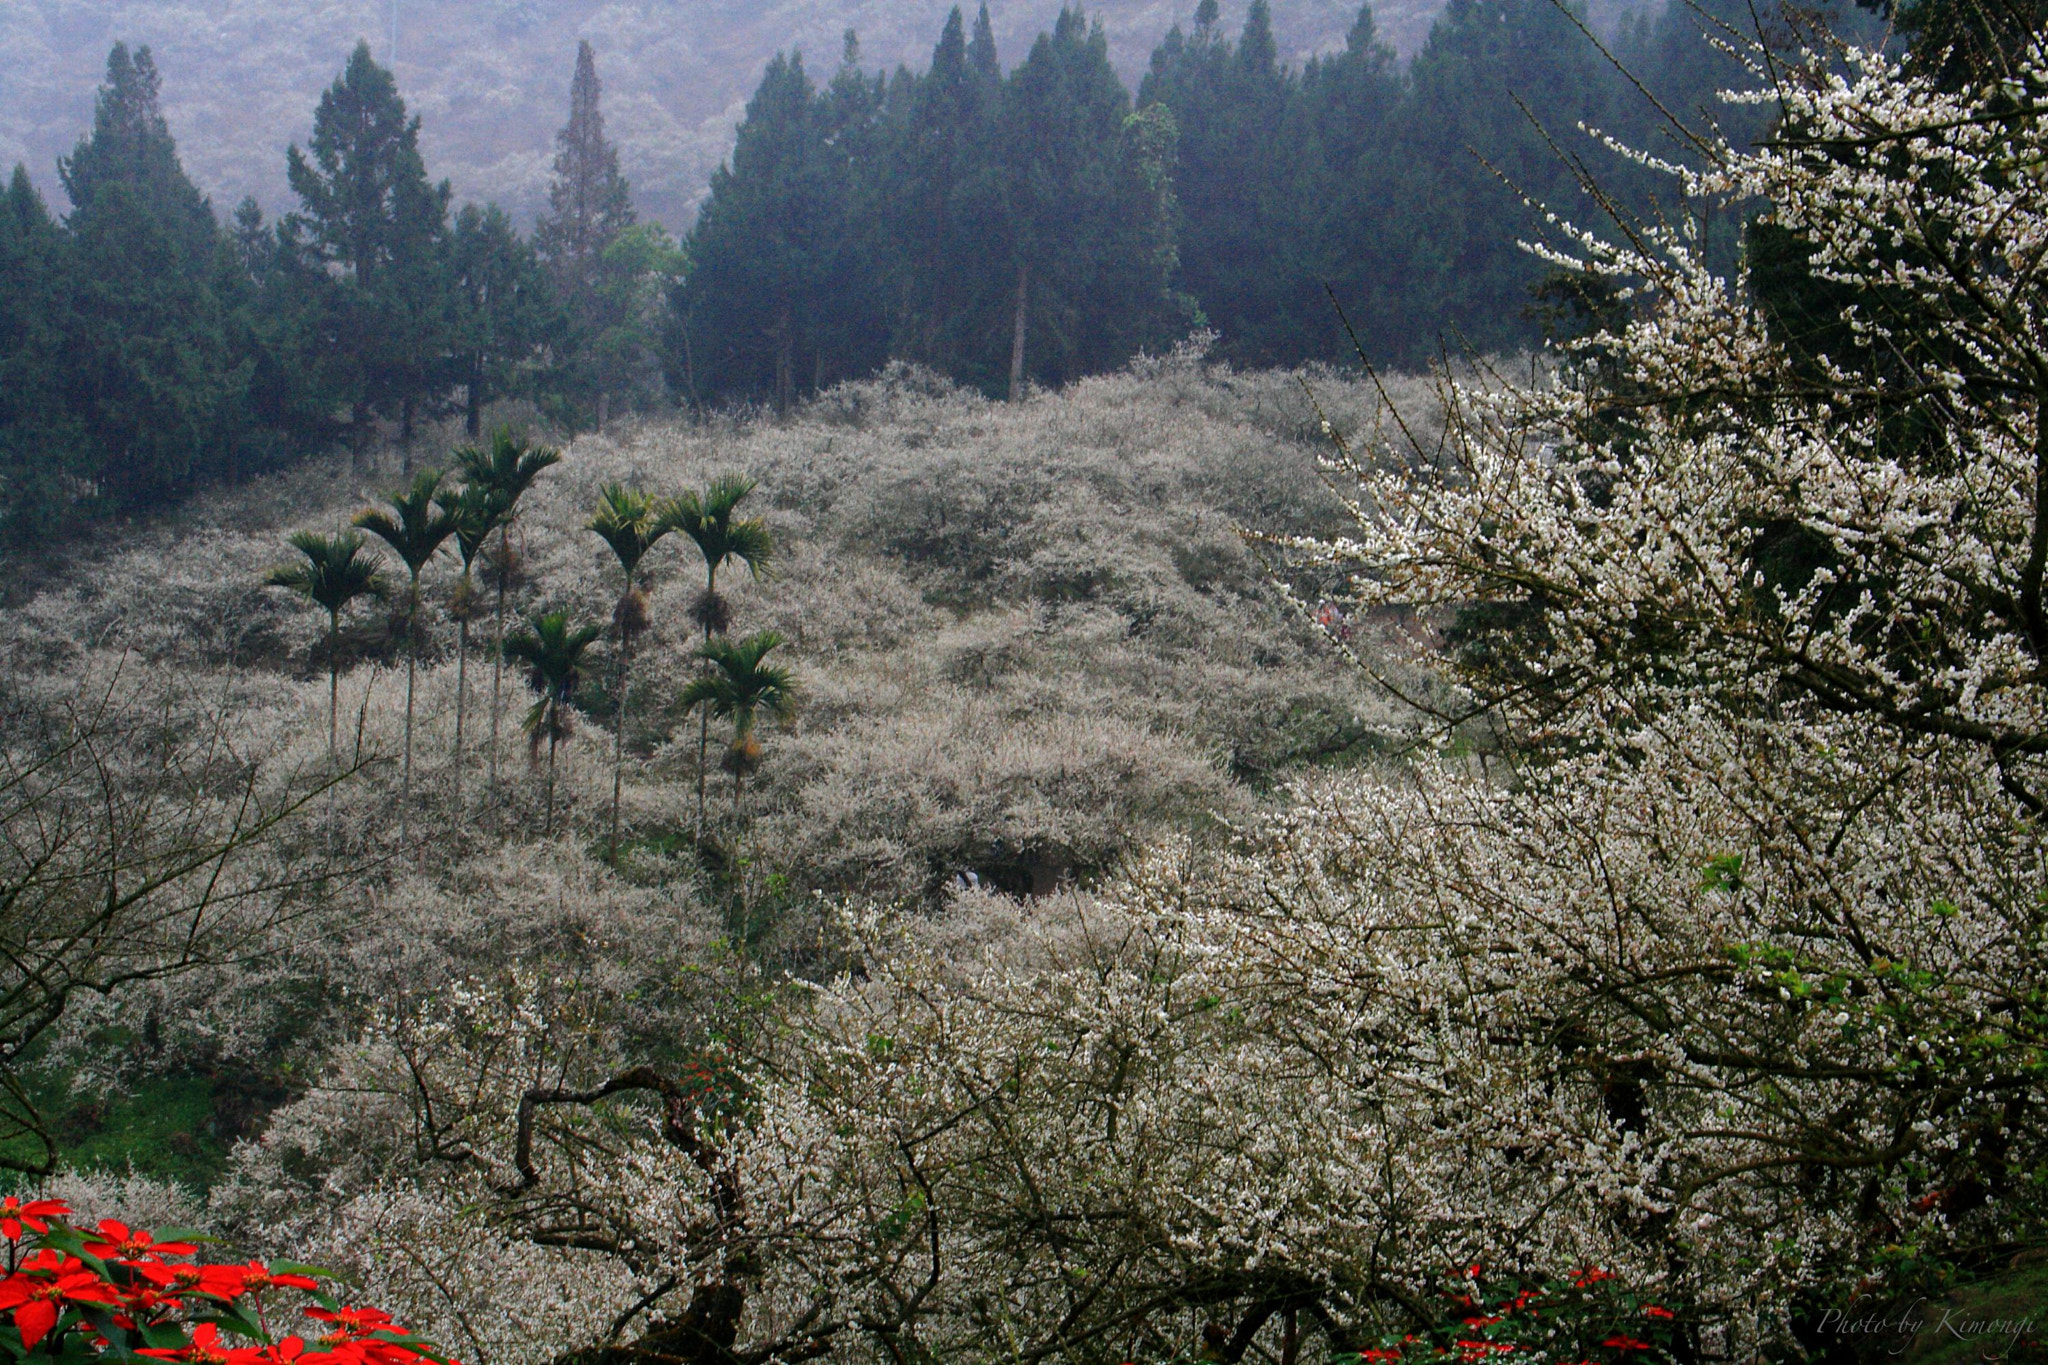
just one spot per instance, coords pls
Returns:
(369, 210)
(943, 198)
(590, 200)
(1344, 225)
(590, 205)
(503, 308)
(1089, 208)
(152, 376)
(757, 252)
(43, 460)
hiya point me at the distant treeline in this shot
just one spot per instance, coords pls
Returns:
(1004, 228)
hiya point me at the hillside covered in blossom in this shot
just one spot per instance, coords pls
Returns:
(919, 775)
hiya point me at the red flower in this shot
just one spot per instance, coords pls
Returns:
(1591, 1275)
(15, 1215)
(1653, 1311)
(353, 1319)
(118, 1239)
(1621, 1343)
(233, 1281)
(38, 1303)
(208, 1349)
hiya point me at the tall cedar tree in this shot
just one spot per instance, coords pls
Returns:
(1343, 139)
(43, 456)
(591, 205)
(153, 377)
(1231, 109)
(944, 204)
(369, 209)
(1089, 207)
(759, 252)
(502, 308)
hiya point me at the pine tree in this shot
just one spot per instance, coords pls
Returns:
(944, 204)
(152, 376)
(591, 206)
(591, 202)
(503, 307)
(369, 209)
(1466, 143)
(43, 460)
(1345, 224)
(1232, 107)
(757, 250)
(1089, 206)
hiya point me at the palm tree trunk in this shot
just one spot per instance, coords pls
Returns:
(619, 733)
(333, 682)
(547, 825)
(461, 699)
(412, 663)
(704, 716)
(498, 651)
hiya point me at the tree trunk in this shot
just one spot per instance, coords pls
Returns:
(604, 408)
(474, 392)
(498, 651)
(1017, 333)
(461, 699)
(405, 412)
(412, 663)
(547, 825)
(333, 682)
(619, 731)
(704, 715)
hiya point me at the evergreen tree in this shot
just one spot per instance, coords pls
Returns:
(759, 251)
(1232, 108)
(591, 205)
(369, 210)
(503, 307)
(43, 460)
(152, 377)
(130, 147)
(1089, 206)
(943, 199)
(591, 202)
(1468, 150)
(1346, 223)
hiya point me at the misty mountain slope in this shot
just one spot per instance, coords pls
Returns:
(490, 77)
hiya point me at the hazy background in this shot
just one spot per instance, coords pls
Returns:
(491, 77)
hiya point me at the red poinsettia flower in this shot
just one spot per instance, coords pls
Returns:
(1622, 1343)
(207, 1348)
(118, 1239)
(353, 1319)
(1591, 1275)
(33, 1215)
(255, 1276)
(38, 1302)
(1662, 1314)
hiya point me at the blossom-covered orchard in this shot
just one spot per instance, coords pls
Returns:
(1689, 990)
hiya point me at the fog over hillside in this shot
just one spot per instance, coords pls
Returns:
(490, 77)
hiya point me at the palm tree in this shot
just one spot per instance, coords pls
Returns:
(504, 472)
(552, 651)
(742, 687)
(475, 514)
(335, 573)
(707, 519)
(414, 526)
(630, 522)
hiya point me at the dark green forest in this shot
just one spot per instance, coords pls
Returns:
(1005, 228)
